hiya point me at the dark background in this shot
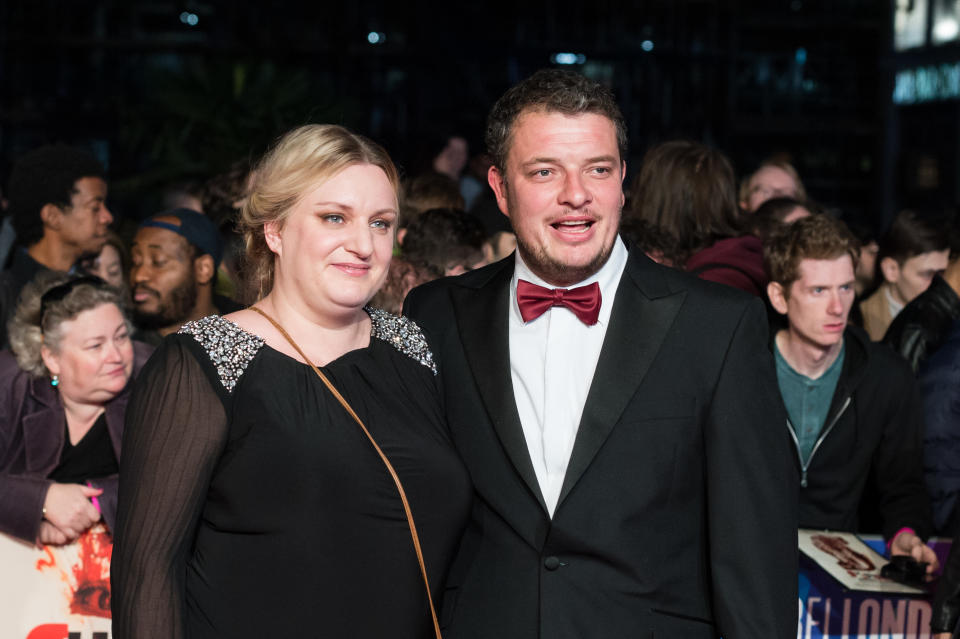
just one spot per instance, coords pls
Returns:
(160, 99)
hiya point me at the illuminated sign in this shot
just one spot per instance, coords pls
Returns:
(927, 84)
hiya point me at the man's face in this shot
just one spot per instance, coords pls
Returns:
(913, 276)
(453, 158)
(85, 221)
(867, 265)
(766, 184)
(562, 192)
(819, 301)
(162, 278)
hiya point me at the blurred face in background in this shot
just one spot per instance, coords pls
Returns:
(453, 158)
(162, 276)
(767, 183)
(867, 266)
(84, 223)
(913, 276)
(108, 266)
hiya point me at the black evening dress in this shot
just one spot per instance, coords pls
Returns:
(252, 505)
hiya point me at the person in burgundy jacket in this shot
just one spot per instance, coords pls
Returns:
(687, 191)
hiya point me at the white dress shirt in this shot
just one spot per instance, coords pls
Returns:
(552, 361)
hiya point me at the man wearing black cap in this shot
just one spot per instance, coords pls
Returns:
(175, 258)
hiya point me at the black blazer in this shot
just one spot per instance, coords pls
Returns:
(678, 513)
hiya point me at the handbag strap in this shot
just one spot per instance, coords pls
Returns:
(383, 457)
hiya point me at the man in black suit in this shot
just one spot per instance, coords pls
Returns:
(620, 420)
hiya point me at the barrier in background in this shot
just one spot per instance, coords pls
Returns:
(828, 611)
(56, 592)
(64, 593)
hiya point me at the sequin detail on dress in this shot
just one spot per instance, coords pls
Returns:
(403, 334)
(229, 347)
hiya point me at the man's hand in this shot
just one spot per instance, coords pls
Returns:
(906, 543)
(943, 635)
(68, 507)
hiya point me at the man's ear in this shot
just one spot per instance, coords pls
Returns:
(52, 216)
(777, 298)
(203, 269)
(890, 269)
(498, 183)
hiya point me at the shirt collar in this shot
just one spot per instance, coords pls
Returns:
(894, 306)
(608, 277)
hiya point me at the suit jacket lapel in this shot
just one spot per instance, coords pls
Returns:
(643, 311)
(482, 318)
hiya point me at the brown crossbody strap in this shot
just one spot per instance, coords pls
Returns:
(386, 462)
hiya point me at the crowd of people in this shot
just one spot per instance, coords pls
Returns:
(503, 396)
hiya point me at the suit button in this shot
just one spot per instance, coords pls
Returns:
(551, 563)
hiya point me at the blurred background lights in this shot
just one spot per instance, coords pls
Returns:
(189, 18)
(946, 29)
(568, 58)
(647, 45)
(376, 37)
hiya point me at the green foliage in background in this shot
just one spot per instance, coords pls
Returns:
(197, 120)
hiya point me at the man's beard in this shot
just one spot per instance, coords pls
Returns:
(555, 272)
(179, 304)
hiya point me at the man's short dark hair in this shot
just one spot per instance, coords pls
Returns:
(46, 175)
(441, 238)
(816, 237)
(429, 190)
(550, 91)
(911, 235)
(769, 216)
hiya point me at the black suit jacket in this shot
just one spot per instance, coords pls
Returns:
(678, 512)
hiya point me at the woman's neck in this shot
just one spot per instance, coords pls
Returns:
(80, 417)
(322, 338)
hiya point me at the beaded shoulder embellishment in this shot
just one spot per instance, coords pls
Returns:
(403, 334)
(229, 347)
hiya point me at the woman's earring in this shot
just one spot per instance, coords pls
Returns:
(55, 381)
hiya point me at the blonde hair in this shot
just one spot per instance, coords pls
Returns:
(301, 159)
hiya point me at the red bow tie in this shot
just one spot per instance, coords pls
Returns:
(534, 301)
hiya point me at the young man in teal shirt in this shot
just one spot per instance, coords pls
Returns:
(852, 405)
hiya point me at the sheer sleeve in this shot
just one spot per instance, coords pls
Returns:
(175, 432)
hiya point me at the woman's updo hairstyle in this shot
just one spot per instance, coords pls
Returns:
(45, 304)
(298, 163)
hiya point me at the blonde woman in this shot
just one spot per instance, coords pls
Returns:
(251, 503)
